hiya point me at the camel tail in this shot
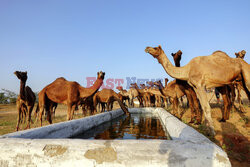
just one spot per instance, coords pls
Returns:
(125, 110)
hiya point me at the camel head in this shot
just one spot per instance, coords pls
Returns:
(142, 86)
(177, 57)
(119, 88)
(158, 84)
(21, 75)
(100, 75)
(155, 52)
(133, 85)
(240, 54)
(150, 83)
(166, 80)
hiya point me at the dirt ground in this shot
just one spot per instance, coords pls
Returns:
(232, 136)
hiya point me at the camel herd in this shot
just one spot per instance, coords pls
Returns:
(218, 71)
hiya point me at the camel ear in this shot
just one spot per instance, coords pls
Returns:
(172, 54)
(159, 46)
(97, 73)
(236, 54)
(103, 73)
(25, 72)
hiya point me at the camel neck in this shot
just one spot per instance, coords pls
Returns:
(137, 88)
(22, 89)
(86, 92)
(175, 72)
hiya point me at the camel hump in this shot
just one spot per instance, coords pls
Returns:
(220, 53)
(61, 78)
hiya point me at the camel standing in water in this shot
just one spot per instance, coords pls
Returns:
(205, 72)
(66, 92)
(25, 100)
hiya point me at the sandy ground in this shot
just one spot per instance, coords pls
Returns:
(233, 136)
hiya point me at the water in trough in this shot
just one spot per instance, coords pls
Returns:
(136, 126)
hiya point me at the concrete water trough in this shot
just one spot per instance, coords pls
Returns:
(52, 145)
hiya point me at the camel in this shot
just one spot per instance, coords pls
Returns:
(25, 100)
(205, 72)
(144, 96)
(196, 114)
(155, 92)
(228, 93)
(108, 96)
(123, 94)
(240, 54)
(238, 84)
(133, 93)
(66, 92)
(172, 91)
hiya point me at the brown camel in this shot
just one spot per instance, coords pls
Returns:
(154, 91)
(66, 92)
(205, 72)
(108, 96)
(238, 84)
(123, 94)
(228, 93)
(144, 96)
(196, 114)
(240, 54)
(174, 92)
(25, 100)
(133, 93)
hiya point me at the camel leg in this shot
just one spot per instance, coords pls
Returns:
(241, 108)
(175, 106)
(72, 111)
(223, 92)
(41, 108)
(30, 108)
(18, 116)
(202, 96)
(69, 111)
(196, 105)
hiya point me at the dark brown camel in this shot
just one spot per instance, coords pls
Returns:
(66, 92)
(26, 99)
(108, 96)
(196, 115)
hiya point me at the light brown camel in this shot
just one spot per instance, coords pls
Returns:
(196, 113)
(108, 96)
(124, 95)
(205, 72)
(238, 84)
(66, 92)
(154, 91)
(228, 93)
(133, 93)
(174, 92)
(25, 100)
(144, 96)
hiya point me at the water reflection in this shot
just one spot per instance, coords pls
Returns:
(136, 126)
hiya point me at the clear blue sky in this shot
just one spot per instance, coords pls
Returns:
(75, 39)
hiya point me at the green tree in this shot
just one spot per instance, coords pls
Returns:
(7, 96)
